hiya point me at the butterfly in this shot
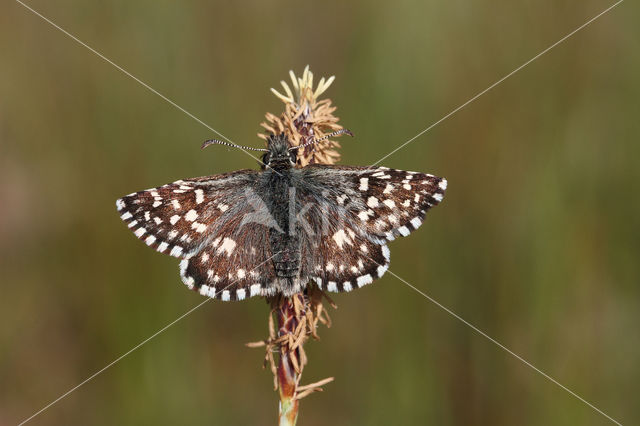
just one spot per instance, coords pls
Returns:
(275, 230)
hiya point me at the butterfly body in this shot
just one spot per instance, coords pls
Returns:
(277, 184)
(273, 231)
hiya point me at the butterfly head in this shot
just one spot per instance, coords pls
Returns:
(279, 154)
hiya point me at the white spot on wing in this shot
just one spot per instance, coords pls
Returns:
(364, 184)
(227, 245)
(381, 270)
(173, 219)
(254, 290)
(126, 216)
(162, 247)
(437, 197)
(176, 251)
(389, 203)
(332, 286)
(119, 204)
(189, 282)
(241, 294)
(199, 227)
(443, 184)
(191, 215)
(183, 266)
(404, 231)
(364, 280)
(347, 286)
(241, 273)
(416, 222)
(150, 240)
(176, 204)
(372, 202)
(386, 253)
(140, 232)
(341, 238)
(199, 196)
(364, 215)
(226, 296)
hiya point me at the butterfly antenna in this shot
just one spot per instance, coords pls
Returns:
(324, 138)
(233, 145)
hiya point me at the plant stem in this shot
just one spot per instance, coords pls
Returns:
(287, 375)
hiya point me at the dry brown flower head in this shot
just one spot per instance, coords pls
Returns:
(305, 118)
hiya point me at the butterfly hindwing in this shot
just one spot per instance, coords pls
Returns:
(346, 261)
(234, 265)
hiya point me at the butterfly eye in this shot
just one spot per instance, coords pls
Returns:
(265, 158)
(293, 156)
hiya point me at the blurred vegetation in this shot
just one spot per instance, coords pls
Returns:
(536, 242)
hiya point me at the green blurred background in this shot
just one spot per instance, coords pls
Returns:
(536, 243)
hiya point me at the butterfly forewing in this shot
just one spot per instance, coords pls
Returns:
(386, 202)
(177, 218)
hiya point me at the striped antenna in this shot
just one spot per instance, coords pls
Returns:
(324, 138)
(233, 145)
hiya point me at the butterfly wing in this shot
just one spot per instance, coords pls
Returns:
(387, 202)
(200, 220)
(353, 212)
(235, 265)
